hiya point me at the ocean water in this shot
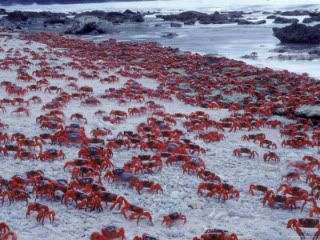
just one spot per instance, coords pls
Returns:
(176, 5)
(230, 40)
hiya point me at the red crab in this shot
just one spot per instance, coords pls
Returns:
(245, 151)
(271, 156)
(51, 154)
(217, 234)
(297, 224)
(171, 219)
(109, 233)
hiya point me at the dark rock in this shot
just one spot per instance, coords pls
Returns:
(2, 11)
(235, 14)
(272, 17)
(19, 16)
(52, 21)
(175, 24)
(307, 20)
(315, 14)
(190, 17)
(282, 20)
(314, 17)
(190, 22)
(218, 18)
(246, 22)
(298, 33)
(114, 17)
(94, 22)
(294, 13)
(205, 20)
(182, 17)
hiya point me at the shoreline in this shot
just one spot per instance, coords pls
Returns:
(215, 39)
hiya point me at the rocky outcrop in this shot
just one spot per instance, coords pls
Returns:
(94, 22)
(114, 17)
(19, 16)
(282, 20)
(190, 17)
(298, 33)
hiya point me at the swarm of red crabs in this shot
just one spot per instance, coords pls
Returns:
(160, 141)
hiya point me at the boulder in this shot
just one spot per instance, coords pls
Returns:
(246, 22)
(272, 17)
(282, 20)
(298, 33)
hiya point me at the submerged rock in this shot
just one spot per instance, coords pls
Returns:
(169, 35)
(190, 17)
(298, 33)
(246, 22)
